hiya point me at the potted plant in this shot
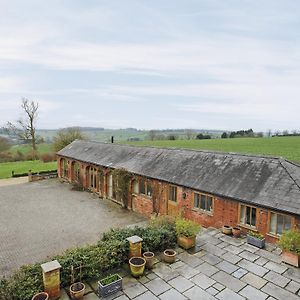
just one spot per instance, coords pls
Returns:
(41, 296)
(256, 239)
(169, 256)
(110, 285)
(149, 257)
(186, 231)
(236, 231)
(290, 245)
(137, 266)
(77, 288)
(227, 229)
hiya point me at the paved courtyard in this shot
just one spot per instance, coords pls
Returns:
(43, 218)
(221, 267)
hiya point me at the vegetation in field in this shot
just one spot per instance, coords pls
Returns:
(24, 166)
(287, 147)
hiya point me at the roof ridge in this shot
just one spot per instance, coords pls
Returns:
(290, 175)
(192, 150)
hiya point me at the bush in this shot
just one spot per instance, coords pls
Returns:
(290, 241)
(47, 157)
(32, 155)
(89, 262)
(186, 227)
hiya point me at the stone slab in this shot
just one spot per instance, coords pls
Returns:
(279, 268)
(229, 281)
(196, 293)
(181, 284)
(211, 290)
(249, 256)
(228, 294)
(146, 296)
(254, 280)
(189, 259)
(157, 286)
(293, 286)
(226, 267)
(277, 279)
(233, 249)
(269, 255)
(239, 273)
(278, 293)
(203, 281)
(211, 259)
(252, 293)
(232, 258)
(135, 290)
(187, 271)
(207, 269)
(213, 249)
(172, 294)
(252, 267)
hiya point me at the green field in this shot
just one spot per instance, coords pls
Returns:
(287, 147)
(24, 166)
(41, 148)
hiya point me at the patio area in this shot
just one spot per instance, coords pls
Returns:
(220, 267)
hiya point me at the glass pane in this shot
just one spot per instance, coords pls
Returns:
(279, 224)
(287, 222)
(149, 189)
(175, 193)
(243, 213)
(142, 186)
(248, 215)
(203, 202)
(196, 200)
(273, 223)
(209, 203)
(136, 187)
(253, 216)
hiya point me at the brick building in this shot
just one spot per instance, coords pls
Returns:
(214, 189)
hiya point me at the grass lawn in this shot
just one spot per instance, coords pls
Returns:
(24, 166)
(287, 147)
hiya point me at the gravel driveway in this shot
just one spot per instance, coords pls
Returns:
(43, 218)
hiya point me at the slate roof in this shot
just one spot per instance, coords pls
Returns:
(265, 181)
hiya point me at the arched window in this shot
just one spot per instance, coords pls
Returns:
(64, 168)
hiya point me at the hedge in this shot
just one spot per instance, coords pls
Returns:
(93, 260)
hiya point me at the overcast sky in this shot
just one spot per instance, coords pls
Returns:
(152, 63)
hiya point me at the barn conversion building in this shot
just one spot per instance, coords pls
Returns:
(257, 193)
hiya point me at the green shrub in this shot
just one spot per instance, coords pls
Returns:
(186, 227)
(88, 262)
(290, 241)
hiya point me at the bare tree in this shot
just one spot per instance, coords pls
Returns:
(269, 133)
(24, 128)
(152, 135)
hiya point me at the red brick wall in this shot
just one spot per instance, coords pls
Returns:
(142, 205)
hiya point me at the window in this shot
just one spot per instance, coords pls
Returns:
(110, 186)
(64, 170)
(203, 202)
(248, 215)
(93, 178)
(173, 193)
(280, 223)
(135, 187)
(145, 187)
(76, 170)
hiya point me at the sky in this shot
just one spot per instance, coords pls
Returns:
(205, 64)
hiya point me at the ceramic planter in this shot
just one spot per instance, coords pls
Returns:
(111, 288)
(137, 266)
(77, 290)
(40, 296)
(227, 229)
(186, 242)
(236, 231)
(290, 258)
(149, 256)
(255, 241)
(169, 256)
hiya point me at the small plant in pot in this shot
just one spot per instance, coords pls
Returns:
(77, 288)
(137, 266)
(149, 257)
(290, 245)
(110, 285)
(186, 231)
(256, 239)
(41, 296)
(169, 256)
(226, 229)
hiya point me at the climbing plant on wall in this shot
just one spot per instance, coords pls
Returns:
(122, 179)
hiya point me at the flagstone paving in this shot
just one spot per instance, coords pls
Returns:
(220, 267)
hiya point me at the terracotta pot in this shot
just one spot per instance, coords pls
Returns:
(290, 258)
(77, 290)
(169, 256)
(186, 242)
(137, 266)
(40, 296)
(236, 231)
(227, 229)
(149, 256)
